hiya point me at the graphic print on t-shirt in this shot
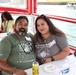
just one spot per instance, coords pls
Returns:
(43, 49)
(25, 46)
(25, 49)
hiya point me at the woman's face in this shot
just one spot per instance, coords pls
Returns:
(42, 27)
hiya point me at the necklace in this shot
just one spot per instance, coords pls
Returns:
(23, 47)
(26, 49)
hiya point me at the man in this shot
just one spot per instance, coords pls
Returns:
(16, 50)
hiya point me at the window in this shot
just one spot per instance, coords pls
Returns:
(15, 6)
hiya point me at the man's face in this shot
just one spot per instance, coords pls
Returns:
(21, 27)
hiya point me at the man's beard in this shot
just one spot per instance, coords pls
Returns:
(22, 32)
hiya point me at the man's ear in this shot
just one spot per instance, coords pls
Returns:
(13, 26)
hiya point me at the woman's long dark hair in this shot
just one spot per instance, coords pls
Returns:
(7, 15)
(53, 30)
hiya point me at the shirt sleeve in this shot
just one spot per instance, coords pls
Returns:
(62, 42)
(5, 48)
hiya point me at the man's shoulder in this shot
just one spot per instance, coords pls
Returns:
(30, 35)
(11, 36)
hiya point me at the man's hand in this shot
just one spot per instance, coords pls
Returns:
(19, 72)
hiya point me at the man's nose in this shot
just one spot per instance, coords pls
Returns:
(23, 26)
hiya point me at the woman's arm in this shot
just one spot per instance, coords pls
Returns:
(62, 54)
(1, 29)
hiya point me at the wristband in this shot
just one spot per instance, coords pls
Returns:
(52, 59)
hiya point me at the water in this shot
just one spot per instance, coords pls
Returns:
(61, 10)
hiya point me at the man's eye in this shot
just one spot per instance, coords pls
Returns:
(20, 23)
(25, 24)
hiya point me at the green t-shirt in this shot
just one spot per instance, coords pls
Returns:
(18, 51)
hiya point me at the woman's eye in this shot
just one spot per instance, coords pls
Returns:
(37, 25)
(42, 24)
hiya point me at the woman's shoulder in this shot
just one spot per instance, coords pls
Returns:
(59, 37)
(11, 20)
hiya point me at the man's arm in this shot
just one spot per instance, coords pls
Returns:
(7, 68)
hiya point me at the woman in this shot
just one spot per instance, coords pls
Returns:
(51, 43)
(7, 22)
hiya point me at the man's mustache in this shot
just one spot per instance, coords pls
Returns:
(22, 30)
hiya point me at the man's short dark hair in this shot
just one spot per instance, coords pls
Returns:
(21, 17)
